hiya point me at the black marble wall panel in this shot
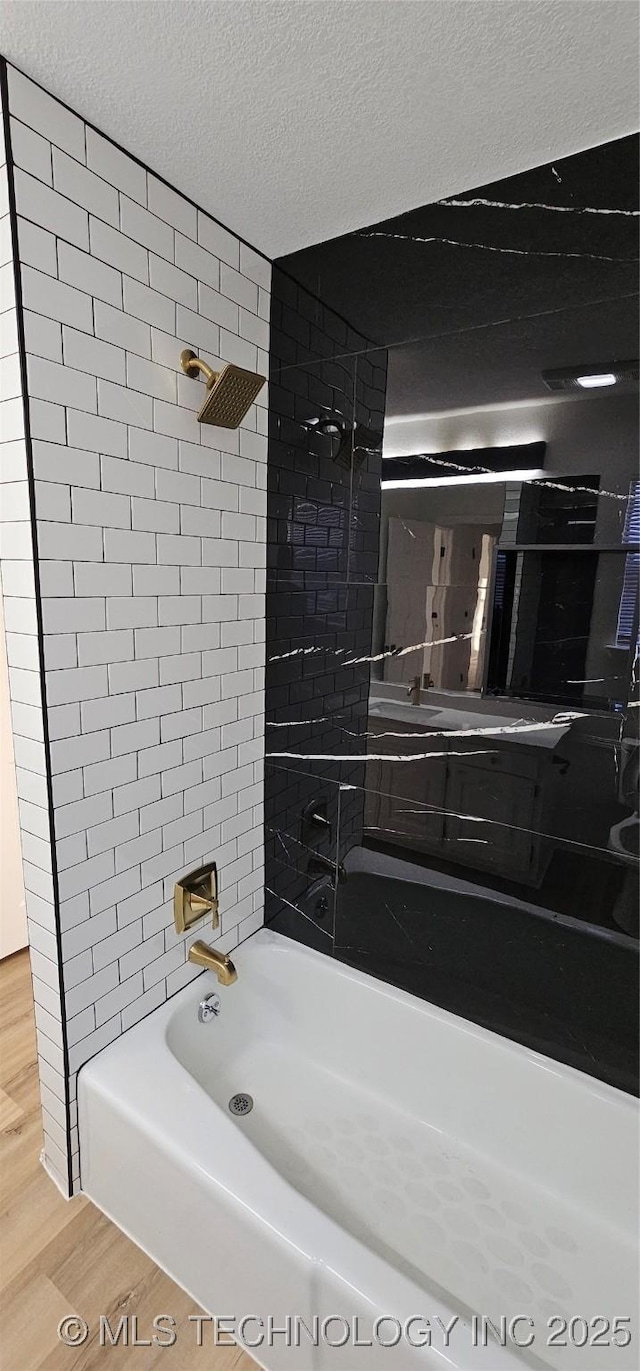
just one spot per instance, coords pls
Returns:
(327, 399)
(481, 874)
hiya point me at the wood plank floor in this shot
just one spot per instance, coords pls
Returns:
(61, 1257)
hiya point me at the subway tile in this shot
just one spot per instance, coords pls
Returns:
(116, 167)
(186, 666)
(172, 282)
(175, 421)
(69, 615)
(93, 872)
(218, 240)
(61, 384)
(113, 247)
(137, 675)
(69, 465)
(147, 951)
(256, 267)
(107, 713)
(179, 609)
(218, 308)
(88, 991)
(87, 274)
(84, 683)
(127, 478)
(156, 580)
(151, 379)
(117, 999)
(155, 516)
(181, 724)
(84, 188)
(145, 1004)
(220, 494)
(31, 151)
(88, 933)
(146, 228)
(67, 786)
(120, 545)
(161, 700)
(137, 612)
(138, 850)
(238, 288)
(56, 300)
(101, 508)
(197, 261)
(181, 830)
(149, 305)
(127, 406)
(201, 333)
(73, 540)
(29, 103)
(117, 888)
(178, 486)
(47, 421)
(96, 433)
(71, 752)
(136, 795)
(255, 330)
(156, 642)
(99, 578)
(131, 737)
(71, 819)
(114, 832)
(162, 967)
(136, 906)
(96, 1042)
(93, 355)
(109, 646)
(37, 247)
(172, 207)
(199, 637)
(44, 206)
(8, 332)
(64, 721)
(111, 774)
(240, 351)
(178, 550)
(156, 449)
(122, 329)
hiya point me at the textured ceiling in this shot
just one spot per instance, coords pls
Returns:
(293, 122)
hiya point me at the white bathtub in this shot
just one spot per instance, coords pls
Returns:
(398, 1162)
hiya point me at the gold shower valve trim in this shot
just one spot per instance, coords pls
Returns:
(194, 895)
(230, 392)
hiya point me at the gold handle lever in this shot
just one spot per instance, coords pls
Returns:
(195, 895)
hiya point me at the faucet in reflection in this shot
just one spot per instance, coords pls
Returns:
(318, 864)
(414, 691)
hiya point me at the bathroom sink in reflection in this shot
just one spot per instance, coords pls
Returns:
(535, 733)
(420, 715)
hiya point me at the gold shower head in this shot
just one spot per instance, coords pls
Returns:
(229, 394)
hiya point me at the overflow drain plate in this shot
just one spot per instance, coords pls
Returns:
(241, 1104)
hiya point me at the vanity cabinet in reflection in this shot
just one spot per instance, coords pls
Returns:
(480, 803)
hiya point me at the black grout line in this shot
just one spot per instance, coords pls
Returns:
(126, 153)
(4, 96)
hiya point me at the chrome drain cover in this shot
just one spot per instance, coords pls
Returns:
(241, 1104)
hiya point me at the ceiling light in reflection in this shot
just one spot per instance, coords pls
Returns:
(473, 479)
(605, 378)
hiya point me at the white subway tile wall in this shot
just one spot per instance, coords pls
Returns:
(151, 536)
(19, 596)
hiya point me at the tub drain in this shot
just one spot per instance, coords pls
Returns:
(241, 1104)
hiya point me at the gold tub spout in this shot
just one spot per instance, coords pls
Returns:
(218, 962)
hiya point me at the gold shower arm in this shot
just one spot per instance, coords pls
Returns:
(191, 364)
